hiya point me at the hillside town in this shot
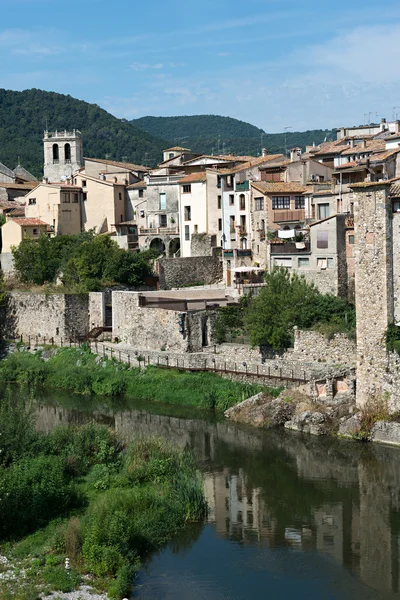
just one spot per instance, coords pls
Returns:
(294, 211)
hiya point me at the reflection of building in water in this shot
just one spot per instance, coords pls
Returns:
(236, 509)
(329, 529)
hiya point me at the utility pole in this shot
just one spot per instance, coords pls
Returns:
(285, 130)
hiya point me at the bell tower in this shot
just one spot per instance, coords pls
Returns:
(63, 154)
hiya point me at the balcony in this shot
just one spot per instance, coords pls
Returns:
(290, 216)
(159, 231)
(243, 187)
(243, 252)
(289, 248)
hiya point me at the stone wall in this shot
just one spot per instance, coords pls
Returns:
(316, 347)
(96, 309)
(202, 244)
(157, 328)
(327, 282)
(178, 272)
(46, 315)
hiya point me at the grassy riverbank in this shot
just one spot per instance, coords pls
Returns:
(83, 494)
(78, 371)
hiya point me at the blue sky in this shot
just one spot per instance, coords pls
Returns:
(303, 64)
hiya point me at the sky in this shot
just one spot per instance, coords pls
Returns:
(303, 64)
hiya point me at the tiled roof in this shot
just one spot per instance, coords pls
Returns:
(349, 165)
(322, 220)
(6, 171)
(24, 174)
(29, 185)
(277, 187)
(17, 212)
(254, 162)
(383, 155)
(139, 185)
(122, 165)
(370, 146)
(363, 184)
(322, 193)
(177, 149)
(7, 204)
(194, 178)
(25, 222)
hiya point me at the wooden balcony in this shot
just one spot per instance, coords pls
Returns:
(290, 216)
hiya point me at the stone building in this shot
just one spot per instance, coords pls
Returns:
(63, 154)
(57, 204)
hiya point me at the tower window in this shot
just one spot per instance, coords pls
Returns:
(56, 155)
(67, 152)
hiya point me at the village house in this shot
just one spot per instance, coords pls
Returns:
(59, 205)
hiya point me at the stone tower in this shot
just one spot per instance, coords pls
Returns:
(374, 284)
(63, 154)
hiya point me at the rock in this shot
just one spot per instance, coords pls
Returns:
(386, 432)
(350, 427)
(261, 411)
(315, 423)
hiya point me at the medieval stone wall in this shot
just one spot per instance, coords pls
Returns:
(178, 272)
(315, 347)
(202, 244)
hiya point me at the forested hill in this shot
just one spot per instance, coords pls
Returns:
(25, 115)
(214, 134)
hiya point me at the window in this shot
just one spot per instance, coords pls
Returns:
(304, 263)
(323, 211)
(219, 224)
(262, 226)
(188, 213)
(232, 223)
(140, 193)
(299, 201)
(242, 202)
(280, 202)
(162, 219)
(65, 198)
(121, 219)
(119, 196)
(321, 263)
(187, 189)
(56, 155)
(243, 228)
(283, 262)
(142, 214)
(218, 181)
(67, 153)
(163, 201)
(231, 199)
(229, 182)
(330, 263)
(322, 239)
(32, 201)
(171, 155)
(187, 233)
(351, 239)
(219, 201)
(75, 198)
(83, 182)
(84, 196)
(35, 231)
(259, 203)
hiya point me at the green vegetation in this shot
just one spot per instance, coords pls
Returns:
(230, 320)
(392, 338)
(219, 135)
(83, 494)
(81, 372)
(85, 262)
(285, 301)
(25, 115)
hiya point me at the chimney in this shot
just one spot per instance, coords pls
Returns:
(352, 143)
(295, 154)
(45, 180)
(102, 176)
(363, 143)
(115, 179)
(383, 125)
(397, 126)
(264, 152)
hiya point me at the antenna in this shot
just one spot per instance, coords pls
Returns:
(394, 113)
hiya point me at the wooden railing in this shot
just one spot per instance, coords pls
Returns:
(280, 216)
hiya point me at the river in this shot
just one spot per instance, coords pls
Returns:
(290, 516)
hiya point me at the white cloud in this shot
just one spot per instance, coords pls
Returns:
(137, 66)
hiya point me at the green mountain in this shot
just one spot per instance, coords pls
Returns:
(212, 134)
(25, 115)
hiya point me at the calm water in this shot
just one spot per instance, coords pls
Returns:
(290, 516)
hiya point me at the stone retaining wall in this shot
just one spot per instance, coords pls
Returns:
(316, 347)
(178, 272)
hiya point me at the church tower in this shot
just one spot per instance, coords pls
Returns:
(63, 154)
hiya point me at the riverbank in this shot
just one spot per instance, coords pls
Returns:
(83, 494)
(79, 371)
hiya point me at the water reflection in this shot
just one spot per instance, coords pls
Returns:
(279, 491)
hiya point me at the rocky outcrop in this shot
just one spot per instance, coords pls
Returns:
(315, 423)
(262, 411)
(350, 427)
(386, 432)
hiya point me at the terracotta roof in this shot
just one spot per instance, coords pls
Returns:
(29, 185)
(8, 204)
(139, 185)
(349, 165)
(193, 178)
(370, 146)
(25, 222)
(254, 162)
(322, 193)
(323, 220)
(22, 173)
(276, 187)
(17, 212)
(122, 165)
(177, 149)
(363, 184)
(329, 147)
(383, 155)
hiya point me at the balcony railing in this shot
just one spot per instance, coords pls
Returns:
(159, 230)
(289, 248)
(281, 216)
(243, 187)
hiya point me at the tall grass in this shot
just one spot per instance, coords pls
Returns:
(81, 372)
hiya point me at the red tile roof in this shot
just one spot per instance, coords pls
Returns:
(254, 162)
(25, 222)
(194, 178)
(122, 165)
(277, 187)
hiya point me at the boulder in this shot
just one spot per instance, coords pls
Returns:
(350, 427)
(386, 432)
(315, 423)
(261, 411)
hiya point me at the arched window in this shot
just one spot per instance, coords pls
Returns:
(55, 153)
(262, 225)
(67, 152)
(242, 202)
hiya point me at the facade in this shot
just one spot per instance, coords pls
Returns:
(15, 230)
(125, 173)
(63, 154)
(192, 209)
(103, 203)
(57, 205)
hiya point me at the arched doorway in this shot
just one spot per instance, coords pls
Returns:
(174, 247)
(158, 244)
